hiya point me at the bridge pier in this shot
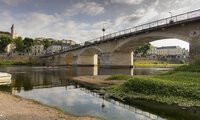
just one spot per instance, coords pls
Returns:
(195, 51)
(117, 59)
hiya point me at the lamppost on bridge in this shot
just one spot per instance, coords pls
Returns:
(103, 29)
(171, 20)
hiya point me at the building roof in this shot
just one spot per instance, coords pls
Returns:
(56, 44)
(38, 43)
(66, 44)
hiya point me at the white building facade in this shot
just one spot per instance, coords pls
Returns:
(55, 47)
(38, 49)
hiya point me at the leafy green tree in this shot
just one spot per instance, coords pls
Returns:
(46, 43)
(87, 43)
(19, 44)
(143, 49)
(28, 43)
(4, 41)
(59, 42)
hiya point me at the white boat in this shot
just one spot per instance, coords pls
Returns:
(5, 78)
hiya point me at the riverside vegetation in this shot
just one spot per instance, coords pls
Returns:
(18, 63)
(158, 63)
(180, 86)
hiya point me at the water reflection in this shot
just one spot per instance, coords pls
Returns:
(28, 78)
(78, 101)
(83, 71)
(95, 70)
(53, 86)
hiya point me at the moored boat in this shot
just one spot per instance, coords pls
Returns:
(5, 78)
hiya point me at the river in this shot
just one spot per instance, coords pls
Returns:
(54, 87)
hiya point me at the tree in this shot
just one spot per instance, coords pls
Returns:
(46, 43)
(87, 43)
(19, 44)
(28, 43)
(4, 42)
(143, 49)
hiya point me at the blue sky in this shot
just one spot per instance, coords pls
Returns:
(82, 20)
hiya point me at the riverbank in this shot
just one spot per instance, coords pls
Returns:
(18, 63)
(99, 80)
(16, 108)
(180, 86)
(155, 63)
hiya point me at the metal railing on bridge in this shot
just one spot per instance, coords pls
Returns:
(173, 19)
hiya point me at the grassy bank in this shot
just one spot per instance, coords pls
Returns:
(165, 64)
(18, 63)
(180, 86)
(118, 77)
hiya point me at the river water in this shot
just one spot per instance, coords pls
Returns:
(54, 87)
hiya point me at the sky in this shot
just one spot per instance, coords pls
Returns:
(82, 20)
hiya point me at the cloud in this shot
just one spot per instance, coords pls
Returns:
(88, 8)
(37, 20)
(127, 1)
(13, 2)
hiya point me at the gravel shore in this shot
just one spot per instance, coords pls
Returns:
(16, 108)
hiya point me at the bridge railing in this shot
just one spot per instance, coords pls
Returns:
(132, 30)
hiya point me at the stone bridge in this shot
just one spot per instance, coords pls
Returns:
(116, 49)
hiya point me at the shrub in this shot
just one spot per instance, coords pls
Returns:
(187, 68)
(153, 86)
(118, 77)
(182, 62)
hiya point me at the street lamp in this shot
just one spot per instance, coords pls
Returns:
(171, 21)
(103, 30)
(170, 14)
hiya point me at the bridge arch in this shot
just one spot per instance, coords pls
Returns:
(56, 59)
(67, 59)
(132, 43)
(89, 56)
(90, 51)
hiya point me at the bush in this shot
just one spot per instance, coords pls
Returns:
(18, 63)
(197, 61)
(151, 86)
(182, 62)
(118, 77)
(187, 68)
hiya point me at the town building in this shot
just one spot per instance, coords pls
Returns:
(65, 46)
(55, 47)
(71, 42)
(175, 51)
(38, 49)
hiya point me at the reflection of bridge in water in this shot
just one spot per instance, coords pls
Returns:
(120, 104)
